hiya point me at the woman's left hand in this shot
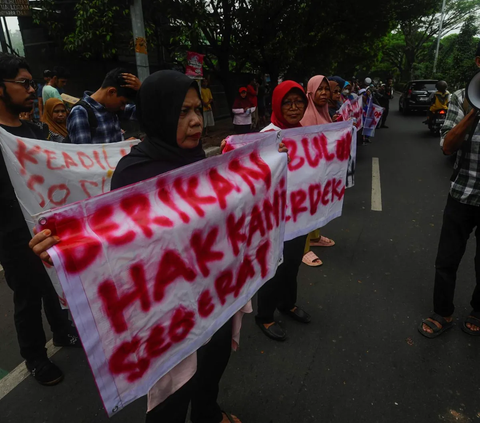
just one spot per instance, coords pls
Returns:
(283, 149)
(335, 117)
(223, 144)
(131, 81)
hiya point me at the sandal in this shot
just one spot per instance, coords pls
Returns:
(311, 259)
(473, 319)
(436, 330)
(231, 418)
(322, 242)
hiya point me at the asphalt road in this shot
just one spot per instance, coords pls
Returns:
(361, 359)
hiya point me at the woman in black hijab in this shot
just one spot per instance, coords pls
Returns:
(170, 112)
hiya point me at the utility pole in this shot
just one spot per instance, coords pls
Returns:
(140, 42)
(439, 38)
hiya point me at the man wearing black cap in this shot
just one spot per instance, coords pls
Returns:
(460, 135)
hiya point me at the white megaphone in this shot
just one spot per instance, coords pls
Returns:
(473, 91)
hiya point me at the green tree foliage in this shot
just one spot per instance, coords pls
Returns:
(281, 37)
(463, 66)
(411, 44)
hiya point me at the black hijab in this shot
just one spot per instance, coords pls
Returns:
(159, 103)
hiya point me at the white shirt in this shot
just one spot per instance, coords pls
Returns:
(242, 117)
(270, 127)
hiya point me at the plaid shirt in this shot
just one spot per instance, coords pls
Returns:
(466, 186)
(108, 129)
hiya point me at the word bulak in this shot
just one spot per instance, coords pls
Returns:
(155, 268)
(311, 151)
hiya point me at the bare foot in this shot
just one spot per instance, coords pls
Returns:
(473, 328)
(267, 325)
(428, 329)
(227, 420)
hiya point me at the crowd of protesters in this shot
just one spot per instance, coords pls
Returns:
(172, 140)
(96, 119)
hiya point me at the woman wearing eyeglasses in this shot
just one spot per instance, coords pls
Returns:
(288, 108)
(319, 94)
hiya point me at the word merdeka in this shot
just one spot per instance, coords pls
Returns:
(151, 271)
(317, 171)
(45, 175)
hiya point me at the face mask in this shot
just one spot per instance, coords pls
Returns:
(346, 92)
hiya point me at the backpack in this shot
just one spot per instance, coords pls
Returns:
(92, 120)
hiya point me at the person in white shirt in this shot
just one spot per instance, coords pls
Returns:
(242, 112)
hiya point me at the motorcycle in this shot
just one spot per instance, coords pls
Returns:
(436, 121)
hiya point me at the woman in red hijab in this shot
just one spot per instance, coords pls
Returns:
(289, 103)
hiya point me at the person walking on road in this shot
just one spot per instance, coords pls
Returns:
(461, 216)
(24, 272)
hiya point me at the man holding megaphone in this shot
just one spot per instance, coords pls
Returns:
(461, 135)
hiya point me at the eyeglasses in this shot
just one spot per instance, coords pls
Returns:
(299, 104)
(27, 83)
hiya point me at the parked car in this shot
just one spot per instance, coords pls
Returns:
(416, 95)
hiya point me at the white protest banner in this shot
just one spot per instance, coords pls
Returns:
(151, 271)
(357, 111)
(319, 157)
(353, 109)
(46, 175)
(346, 110)
(372, 117)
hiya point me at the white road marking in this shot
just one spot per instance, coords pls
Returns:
(376, 188)
(20, 373)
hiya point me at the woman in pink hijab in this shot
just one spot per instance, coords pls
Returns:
(318, 94)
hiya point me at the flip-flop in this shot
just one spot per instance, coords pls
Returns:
(231, 417)
(473, 319)
(311, 259)
(436, 330)
(322, 242)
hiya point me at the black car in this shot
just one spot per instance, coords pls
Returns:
(416, 95)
